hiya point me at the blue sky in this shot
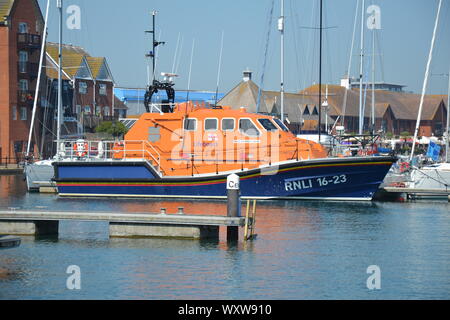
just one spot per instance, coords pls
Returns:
(115, 29)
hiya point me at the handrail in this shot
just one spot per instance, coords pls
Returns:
(110, 150)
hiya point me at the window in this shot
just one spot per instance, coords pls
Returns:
(315, 111)
(82, 87)
(102, 89)
(106, 111)
(227, 124)
(87, 109)
(154, 134)
(247, 127)
(211, 124)
(78, 109)
(23, 85)
(23, 27)
(14, 113)
(23, 113)
(190, 124)
(38, 27)
(98, 110)
(23, 58)
(281, 124)
(306, 111)
(267, 124)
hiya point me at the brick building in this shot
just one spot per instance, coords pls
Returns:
(88, 93)
(21, 28)
(395, 110)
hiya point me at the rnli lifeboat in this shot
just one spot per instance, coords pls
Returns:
(190, 151)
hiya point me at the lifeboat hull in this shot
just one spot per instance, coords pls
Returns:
(356, 178)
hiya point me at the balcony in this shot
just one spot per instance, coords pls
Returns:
(92, 121)
(28, 41)
(25, 97)
(28, 68)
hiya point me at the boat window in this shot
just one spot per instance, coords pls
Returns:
(190, 124)
(227, 124)
(211, 124)
(247, 127)
(154, 134)
(267, 124)
(281, 124)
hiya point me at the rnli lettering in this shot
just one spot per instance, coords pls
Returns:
(302, 184)
(298, 185)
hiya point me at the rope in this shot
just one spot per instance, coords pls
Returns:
(432, 178)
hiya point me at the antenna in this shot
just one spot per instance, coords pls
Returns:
(218, 72)
(281, 29)
(190, 69)
(167, 84)
(155, 43)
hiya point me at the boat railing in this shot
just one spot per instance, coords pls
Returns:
(144, 149)
(84, 150)
(159, 107)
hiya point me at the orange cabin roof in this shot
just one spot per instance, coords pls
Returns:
(198, 140)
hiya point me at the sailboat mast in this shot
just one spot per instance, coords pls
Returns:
(281, 29)
(425, 82)
(59, 5)
(447, 146)
(361, 115)
(373, 82)
(38, 80)
(320, 70)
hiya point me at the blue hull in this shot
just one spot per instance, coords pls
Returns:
(333, 179)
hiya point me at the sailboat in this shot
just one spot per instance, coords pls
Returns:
(40, 173)
(430, 180)
(434, 178)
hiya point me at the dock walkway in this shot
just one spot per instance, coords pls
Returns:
(418, 193)
(21, 222)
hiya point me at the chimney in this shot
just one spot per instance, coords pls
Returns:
(247, 75)
(346, 82)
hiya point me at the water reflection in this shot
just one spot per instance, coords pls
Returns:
(304, 250)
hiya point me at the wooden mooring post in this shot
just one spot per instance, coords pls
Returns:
(233, 205)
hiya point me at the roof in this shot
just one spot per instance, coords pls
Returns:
(72, 57)
(404, 105)
(77, 62)
(95, 64)
(245, 94)
(51, 69)
(118, 104)
(5, 8)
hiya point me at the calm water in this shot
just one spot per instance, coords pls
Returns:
(304, 250)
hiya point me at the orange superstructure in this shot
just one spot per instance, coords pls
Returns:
(198, 140)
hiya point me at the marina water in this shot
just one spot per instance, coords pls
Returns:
(304, 250)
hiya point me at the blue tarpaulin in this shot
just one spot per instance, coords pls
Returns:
(433, 151)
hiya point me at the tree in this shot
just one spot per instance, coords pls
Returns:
(114, 128)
